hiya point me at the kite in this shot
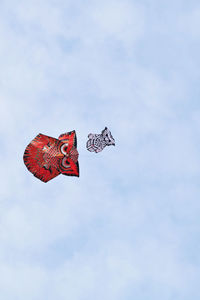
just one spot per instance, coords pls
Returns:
(47, 157)
(97, 142)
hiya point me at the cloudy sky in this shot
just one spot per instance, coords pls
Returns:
(129, 227)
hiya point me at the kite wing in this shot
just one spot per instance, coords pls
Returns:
(37, 159)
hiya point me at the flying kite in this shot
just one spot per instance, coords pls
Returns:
(97, 142)
(47, 157)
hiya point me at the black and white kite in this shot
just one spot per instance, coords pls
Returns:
(97, 142)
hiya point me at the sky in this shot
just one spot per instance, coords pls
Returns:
(128, 227)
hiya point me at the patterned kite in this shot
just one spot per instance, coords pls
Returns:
(47, 157)
(97, 142)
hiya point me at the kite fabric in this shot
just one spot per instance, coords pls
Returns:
(97, 142)
(47, 157)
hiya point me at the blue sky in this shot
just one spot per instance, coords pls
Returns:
(129, 227)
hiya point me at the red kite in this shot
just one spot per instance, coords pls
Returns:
(47, 157)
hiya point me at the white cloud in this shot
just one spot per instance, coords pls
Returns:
(121, 20)
(188, 23)
(21, 281)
